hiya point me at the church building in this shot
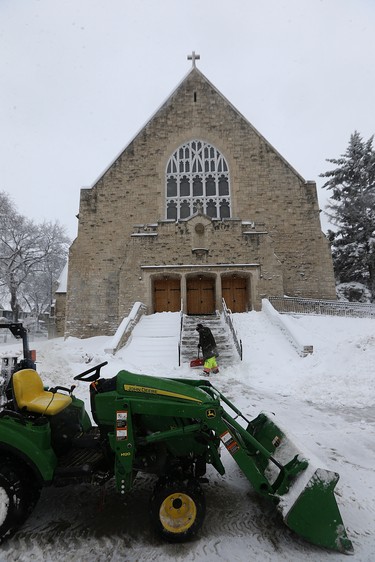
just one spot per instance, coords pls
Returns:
(198, 208)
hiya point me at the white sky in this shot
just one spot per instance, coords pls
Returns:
(79, 78)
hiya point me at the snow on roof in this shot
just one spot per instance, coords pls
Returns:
(63, 280)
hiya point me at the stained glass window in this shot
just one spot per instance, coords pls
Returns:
(197, 177)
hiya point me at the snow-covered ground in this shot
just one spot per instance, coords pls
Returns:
(327, 400)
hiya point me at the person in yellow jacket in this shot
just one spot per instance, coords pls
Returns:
(207, 344)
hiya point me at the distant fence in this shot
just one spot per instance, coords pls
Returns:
(328, 308)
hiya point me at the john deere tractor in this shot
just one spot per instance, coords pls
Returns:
(172, 428)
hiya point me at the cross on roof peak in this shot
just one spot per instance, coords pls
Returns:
(193, 57)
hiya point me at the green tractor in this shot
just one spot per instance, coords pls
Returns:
(169, 427)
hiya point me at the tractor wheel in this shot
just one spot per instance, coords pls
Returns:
(177, 509)
(18, 496)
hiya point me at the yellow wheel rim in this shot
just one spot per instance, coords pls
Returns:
(177, 513)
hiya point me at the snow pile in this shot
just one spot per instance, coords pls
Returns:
(340, 371)
(353, 292)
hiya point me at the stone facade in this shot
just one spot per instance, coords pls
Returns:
(127, 250)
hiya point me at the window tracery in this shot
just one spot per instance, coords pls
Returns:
(197, 178)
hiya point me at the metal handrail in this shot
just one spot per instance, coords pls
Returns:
(326, 307)
(228, 319)
(181, 330)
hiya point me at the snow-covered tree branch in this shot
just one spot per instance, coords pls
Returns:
(31, 258)
(352, 211)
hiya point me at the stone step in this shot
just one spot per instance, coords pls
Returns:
(223, 337)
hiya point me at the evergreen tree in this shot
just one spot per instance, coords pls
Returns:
(352, 211)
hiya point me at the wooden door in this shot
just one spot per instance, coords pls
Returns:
(234, 293)
(167, 295)
(200, 295)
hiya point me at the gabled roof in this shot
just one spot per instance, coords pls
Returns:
(194, 71)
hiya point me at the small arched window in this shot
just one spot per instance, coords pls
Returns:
(197, 176)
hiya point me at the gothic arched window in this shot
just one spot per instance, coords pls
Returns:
(197, 176)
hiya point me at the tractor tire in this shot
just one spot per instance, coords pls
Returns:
(18, 496)
(178, 509)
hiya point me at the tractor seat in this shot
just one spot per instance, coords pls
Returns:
(29, 394)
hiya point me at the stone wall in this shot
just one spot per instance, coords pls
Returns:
(106, 259)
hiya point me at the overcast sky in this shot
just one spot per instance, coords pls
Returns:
(79, 78)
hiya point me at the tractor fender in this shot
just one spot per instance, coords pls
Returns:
(31, 445)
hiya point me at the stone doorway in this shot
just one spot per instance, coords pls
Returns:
(167, 294)
(200, 295)
(234, 292)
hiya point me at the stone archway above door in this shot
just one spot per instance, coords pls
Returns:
(194, 284)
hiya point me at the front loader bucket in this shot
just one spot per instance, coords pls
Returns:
(305, 491)
(315, 515)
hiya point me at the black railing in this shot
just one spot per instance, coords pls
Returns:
(181, 330)
(228, 319)
(325, 307)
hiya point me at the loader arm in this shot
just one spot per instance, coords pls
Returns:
(302, 492)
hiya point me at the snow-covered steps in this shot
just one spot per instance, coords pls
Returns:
(224, 340)
(153, 341)
(157, 339)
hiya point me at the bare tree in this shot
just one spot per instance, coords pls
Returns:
(31, 258)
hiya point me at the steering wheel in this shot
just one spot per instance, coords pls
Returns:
(96, 370)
